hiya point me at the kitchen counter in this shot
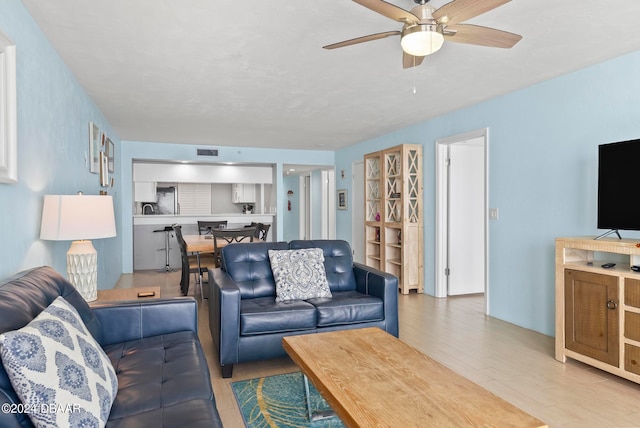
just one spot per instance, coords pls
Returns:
(237, 219)
(149, 243)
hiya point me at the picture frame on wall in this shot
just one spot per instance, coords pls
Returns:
(342, 199)
(95, 141)
(104, 170)
(8, 112)
(110, 149)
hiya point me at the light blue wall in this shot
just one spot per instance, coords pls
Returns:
(543, 176)
(137, 150)
(542, 154)
(53, 139)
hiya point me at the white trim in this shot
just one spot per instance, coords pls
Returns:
(305, 215)
(360, 220)
(324, 213)
(331, 203)
(8, 112)
(441, 210)
(441, 220)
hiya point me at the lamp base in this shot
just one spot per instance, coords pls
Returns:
(82, 269)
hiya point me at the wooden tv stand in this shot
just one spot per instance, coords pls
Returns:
(598, 309)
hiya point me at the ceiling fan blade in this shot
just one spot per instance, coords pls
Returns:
(462, 10)
(409, 61)
(389, 10)
(483, 36)
(362, 39)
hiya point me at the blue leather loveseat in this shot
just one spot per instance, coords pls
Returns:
(163, 378)
(248, 324)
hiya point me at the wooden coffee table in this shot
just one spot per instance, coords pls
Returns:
(372, 379)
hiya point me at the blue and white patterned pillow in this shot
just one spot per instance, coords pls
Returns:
(62, 376)
(299, 274)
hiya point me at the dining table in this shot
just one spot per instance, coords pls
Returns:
(204, 244)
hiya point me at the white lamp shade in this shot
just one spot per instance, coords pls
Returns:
(79, 218)
(420, 41)
(76, 217)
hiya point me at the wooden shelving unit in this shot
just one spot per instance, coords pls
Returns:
(393, 214)
(372, 201)
(598, 309)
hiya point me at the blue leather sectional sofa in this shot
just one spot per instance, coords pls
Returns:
(247, 323)
(163, 378)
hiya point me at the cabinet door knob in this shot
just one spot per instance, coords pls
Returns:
(611, 304)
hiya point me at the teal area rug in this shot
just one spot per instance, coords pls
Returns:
(279, 401)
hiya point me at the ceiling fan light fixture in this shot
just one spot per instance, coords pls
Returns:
(421, 40)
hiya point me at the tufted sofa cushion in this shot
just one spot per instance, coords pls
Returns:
(156, 372)
(338, 262)
(265, 315)
(250, 267)
(347, 307)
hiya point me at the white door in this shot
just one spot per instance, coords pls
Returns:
(466, 256)
(461, 215)
(357, 211)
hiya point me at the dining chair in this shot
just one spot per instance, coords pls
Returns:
(195, 264)
(262, 230)
(223, 237)
(205, 226)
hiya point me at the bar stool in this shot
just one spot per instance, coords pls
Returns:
(167, 232)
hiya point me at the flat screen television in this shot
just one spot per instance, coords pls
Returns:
(618, 184)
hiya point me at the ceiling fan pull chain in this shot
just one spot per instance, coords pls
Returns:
(415, 72)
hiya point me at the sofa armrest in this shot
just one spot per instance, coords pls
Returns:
(132, 320)
(224, 315)
(380, 284)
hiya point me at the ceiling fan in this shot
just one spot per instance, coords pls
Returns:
(425, 28)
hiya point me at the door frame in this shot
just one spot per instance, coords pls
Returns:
(442, 210)
(328, 178)
(357, 222)
(305, 213)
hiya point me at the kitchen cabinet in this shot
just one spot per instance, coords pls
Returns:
(243, 193)
(145, 191)
(194, 198)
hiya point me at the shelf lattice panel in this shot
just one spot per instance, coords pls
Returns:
(373, 169)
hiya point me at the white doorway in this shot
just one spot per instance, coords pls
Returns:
(328, 178)
(461, 214)
(316, 203)
(305, 206)
(357, 211)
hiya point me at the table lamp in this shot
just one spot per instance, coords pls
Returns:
(79, 218)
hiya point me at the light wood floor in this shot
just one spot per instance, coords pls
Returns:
(514, 363)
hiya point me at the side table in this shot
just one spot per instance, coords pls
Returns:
(138, 293)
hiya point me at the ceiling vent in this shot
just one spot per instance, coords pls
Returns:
(207, 152)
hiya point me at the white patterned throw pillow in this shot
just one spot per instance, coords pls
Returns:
(299, 274)
(62, 376)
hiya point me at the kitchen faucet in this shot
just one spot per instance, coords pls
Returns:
(145, 206)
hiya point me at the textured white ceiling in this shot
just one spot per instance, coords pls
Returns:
(254, 74)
